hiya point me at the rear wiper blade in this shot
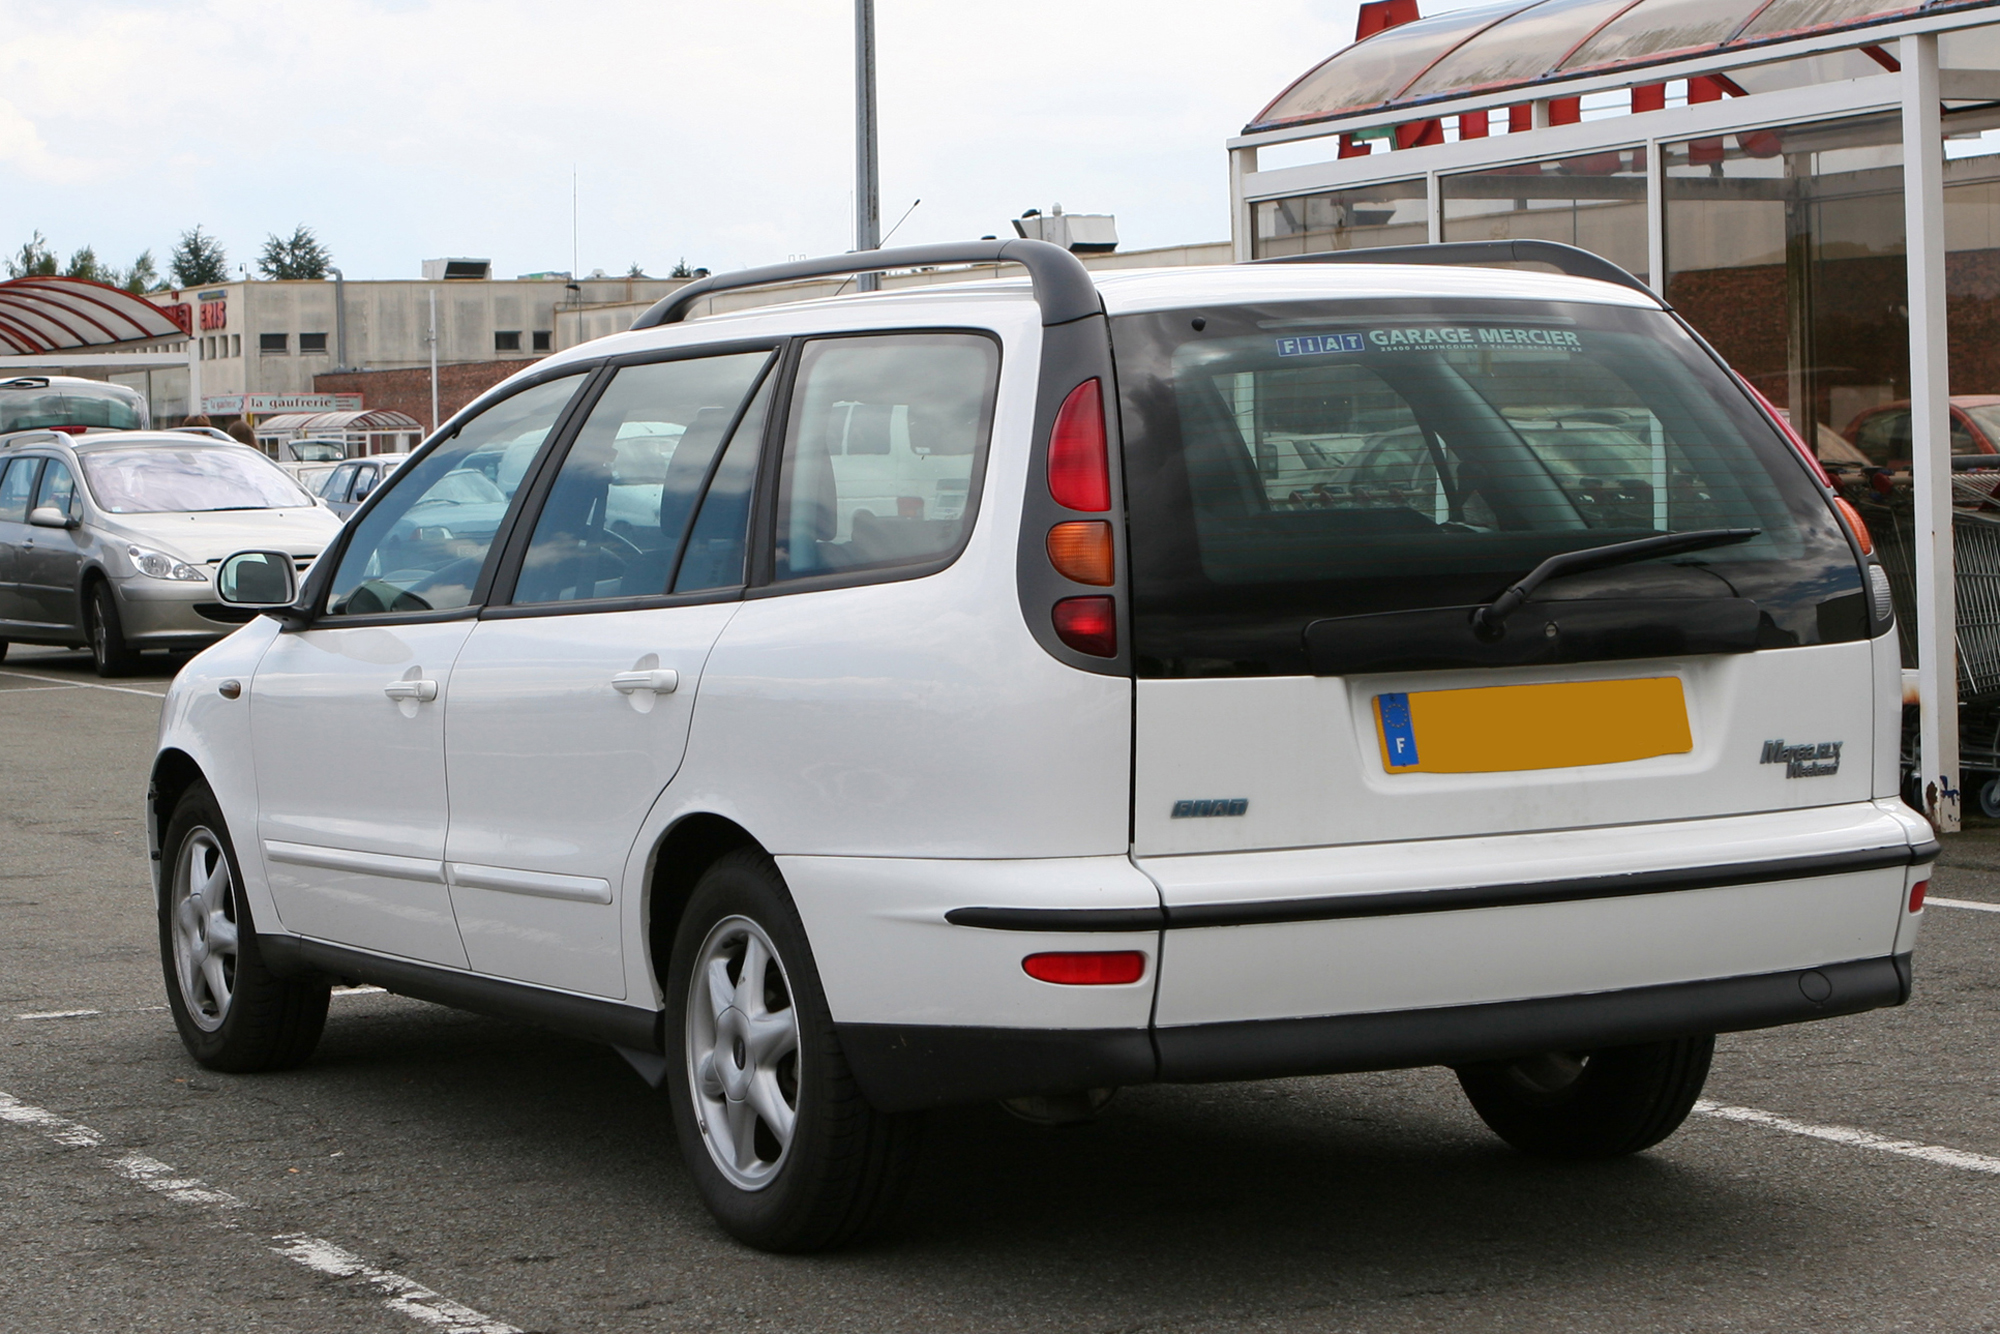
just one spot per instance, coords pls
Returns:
(1488, 622)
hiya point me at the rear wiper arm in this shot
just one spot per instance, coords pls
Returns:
(1488, 621)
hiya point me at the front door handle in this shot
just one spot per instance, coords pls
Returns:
(421, 691)
(659, 680)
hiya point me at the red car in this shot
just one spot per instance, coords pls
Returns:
(1883, 434)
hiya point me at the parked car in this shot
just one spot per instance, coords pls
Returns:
(69, 403)
(348, 484)
(1882, 434)
(110, 540)
(1050, 737)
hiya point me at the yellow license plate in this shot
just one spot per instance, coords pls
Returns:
(1495, 729)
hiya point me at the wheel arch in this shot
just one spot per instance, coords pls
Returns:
(174, 772)
(690, 846)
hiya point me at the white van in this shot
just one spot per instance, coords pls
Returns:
(975, 698)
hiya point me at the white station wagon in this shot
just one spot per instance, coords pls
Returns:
(1021, 689)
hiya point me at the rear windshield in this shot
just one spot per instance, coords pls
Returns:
(109, 405)
(1294, 462)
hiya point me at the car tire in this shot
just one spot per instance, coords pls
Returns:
(1989, 798)
(109, 652)
(1603, 1104)
(232, 1012)
(749, 1057)
(3, 650)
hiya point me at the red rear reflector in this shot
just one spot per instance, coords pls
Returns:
(1917, 892)
(1856, 524)
(1088, 625)
(1081, 550)
(1079, 466)
(70, 430)
(1098, 968)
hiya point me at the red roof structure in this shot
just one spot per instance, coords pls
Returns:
(65, 314)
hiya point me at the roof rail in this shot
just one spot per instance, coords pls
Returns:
(1576, 262)
(1063, 287)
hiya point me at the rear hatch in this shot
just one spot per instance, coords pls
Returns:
(1322, 494)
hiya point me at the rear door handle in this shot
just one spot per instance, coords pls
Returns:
(659, 680)
(421, 691)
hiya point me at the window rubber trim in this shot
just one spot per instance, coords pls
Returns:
(1341, 907)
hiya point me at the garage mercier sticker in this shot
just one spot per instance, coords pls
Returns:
(1429, 338)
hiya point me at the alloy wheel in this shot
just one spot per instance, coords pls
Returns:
(203, 912)
(743, 1053)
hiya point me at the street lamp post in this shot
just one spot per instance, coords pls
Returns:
(867, 179)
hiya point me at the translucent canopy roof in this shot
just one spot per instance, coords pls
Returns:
(63, 314)
(365, 419)
(1524, 42)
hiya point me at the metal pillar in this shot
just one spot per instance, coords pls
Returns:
(194, 376)
(339, 318)
(1930, 433)
(432, 339)
(867, 174)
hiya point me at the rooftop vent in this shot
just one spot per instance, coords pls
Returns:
(1080, 233)
(436, 270)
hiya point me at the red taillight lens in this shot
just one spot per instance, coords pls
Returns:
(1079, 465)
(1081, 550)
(1088, 625)
(1098, 968)
(70, 430)
(1856, 524)
(1917, 892)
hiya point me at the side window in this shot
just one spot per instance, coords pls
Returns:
(1885, 437)
(58, 488)
(714, 557)
(336, 485)
(1961, 438)
(364, 481)
(613, 521)
(886, 437)
(15, 487)
(421, 549)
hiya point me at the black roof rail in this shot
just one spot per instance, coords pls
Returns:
(1063, 287)
(1576, 262)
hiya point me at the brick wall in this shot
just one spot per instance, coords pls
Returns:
(410, 390)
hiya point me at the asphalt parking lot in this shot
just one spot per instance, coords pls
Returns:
(432, 1170)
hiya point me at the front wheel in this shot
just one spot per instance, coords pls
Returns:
(232, 1013)
(786, 1152)
(1602, 1104)
(109, 652)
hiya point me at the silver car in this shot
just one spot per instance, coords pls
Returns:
(111, 540)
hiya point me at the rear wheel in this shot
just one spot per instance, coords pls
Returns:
(786, 1152)
(233, 1014)
(1989, 797)
(3, 650)
(109, 652)
(1602, 1104)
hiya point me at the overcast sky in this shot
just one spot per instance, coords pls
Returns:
(402, 130)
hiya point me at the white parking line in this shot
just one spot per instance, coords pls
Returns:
(83, 685)
(1857, 1139)
(154, 1009)
(1962, 903)
(402, 1295)
(62, 1014)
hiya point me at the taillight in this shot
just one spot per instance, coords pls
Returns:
(1097, 968)
(1856, 524)
(1081, 551)
(1079, 462)
(1917, 892)
(1784, 424)
(1088, 625)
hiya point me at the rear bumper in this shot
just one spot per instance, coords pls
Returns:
(902, 1067)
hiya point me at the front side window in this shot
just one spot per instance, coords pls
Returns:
(884, 445)
(196, 480)
(613, 522)
(17, 484)
(58, 488)
(1292, 463)
(422, 547)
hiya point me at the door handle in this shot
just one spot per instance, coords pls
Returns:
(421, 691)
(659, 680)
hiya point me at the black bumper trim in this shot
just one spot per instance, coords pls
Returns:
(903, 1067)
(614, 1022)
(1336, 907)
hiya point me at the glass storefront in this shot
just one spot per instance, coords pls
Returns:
(1597, 201)
(1391, 213)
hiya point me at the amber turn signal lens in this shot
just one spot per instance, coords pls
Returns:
(1856, 525)
(1097, 968)
(1081, 550)
(1088, 625)
(1917, 892)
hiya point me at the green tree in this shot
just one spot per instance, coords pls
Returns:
(299, 255)
(83, 264)
(35, 260)
(681, 269)
(637, 270)
(197, 258)
(142, 277)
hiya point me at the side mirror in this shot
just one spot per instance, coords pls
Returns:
(48, 516)
(257, 580)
